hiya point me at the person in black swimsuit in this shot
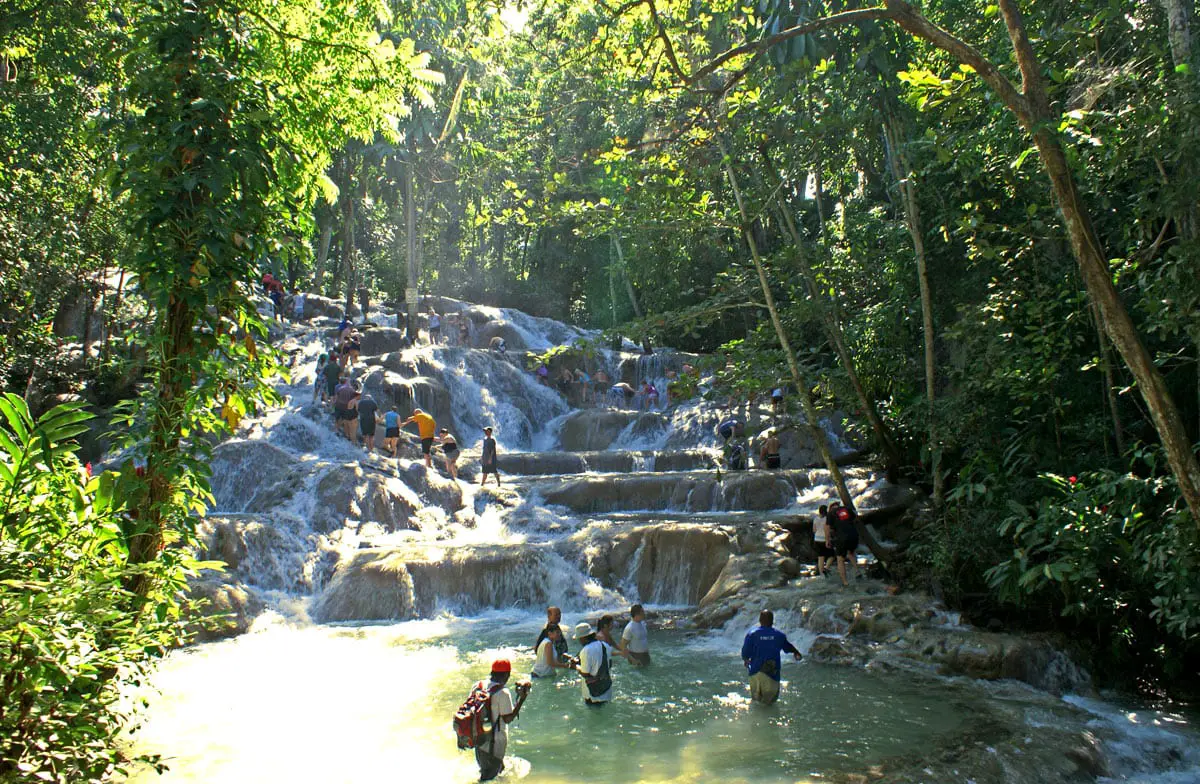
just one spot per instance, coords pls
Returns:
(449, 452)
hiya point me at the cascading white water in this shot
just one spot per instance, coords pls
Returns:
(447, 576)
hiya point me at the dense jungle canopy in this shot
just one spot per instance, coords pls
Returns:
(973, 226)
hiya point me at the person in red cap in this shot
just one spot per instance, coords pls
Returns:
(489, 753)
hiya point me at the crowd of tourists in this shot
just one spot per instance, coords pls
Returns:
(492, 702)
(357, 416)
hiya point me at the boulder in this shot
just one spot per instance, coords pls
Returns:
(428, 393)
(433, 487)
(498, 328)
(316, 306)
(400, 583)
(382, 340)
(692, 492)
(244, 474)
(220, 610)
(595, 429)
(268, 552)
(347, 492)
(669, 564)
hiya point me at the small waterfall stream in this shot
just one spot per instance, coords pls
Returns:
(388, 589)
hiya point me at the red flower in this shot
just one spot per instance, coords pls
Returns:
(1072, 479)
(88, 467)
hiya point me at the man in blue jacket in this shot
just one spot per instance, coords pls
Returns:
(760, 653)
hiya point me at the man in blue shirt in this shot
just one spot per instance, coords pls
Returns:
(760, 653)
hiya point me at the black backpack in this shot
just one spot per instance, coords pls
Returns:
(843, 524)
(603, 677)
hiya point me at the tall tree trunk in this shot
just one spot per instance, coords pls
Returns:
(833, 329)
(637, 309)
(1038, 119)
(806, 399)
(1110, 387)
(348, 246)
(323, 245)
(912, 213)
(411, 298)
(1179, 30)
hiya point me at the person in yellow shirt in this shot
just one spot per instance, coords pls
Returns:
(427, 429)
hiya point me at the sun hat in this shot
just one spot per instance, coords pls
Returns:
(502, 665)
(582, 630)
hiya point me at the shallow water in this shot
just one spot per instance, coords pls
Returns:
(372, 703)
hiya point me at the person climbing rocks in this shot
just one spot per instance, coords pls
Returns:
(769, 454)
(635, 640)
(584, 382)
(274, 289)
(547, 658)
(489, 752)
(319, 380)
(343, 396)
(565, 380)
(825, 554)
(426, 429)
(600, 393)
(498, 345)
(332, 375)
(391, 431)
(435, 327)
(449, 452)
(364, 301)
(621, 394)
(352, 346)
(595, 665)
(350, 418)
(761, 654)
(553, 618)
(542, 373)
(777, 404)
(842, 531)
(488, 463)
(731, 427)
(649, 396)
(368, 418)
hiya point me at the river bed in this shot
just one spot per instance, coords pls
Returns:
(372, 703)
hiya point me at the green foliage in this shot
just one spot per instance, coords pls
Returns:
(68, 644)
(1114, 555)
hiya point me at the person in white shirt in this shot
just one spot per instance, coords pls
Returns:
(634, 640)
(547, 658)
(825, 553)
(489, 752)
(595, 662)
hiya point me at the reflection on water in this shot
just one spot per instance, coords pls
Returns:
(361, 704)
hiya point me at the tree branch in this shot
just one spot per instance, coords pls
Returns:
(758, 48)
(666, 40)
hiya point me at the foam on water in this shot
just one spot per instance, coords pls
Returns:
(1147, 746)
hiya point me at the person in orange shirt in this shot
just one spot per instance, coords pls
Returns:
(427, 429)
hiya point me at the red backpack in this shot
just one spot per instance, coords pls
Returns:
(472, 715)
